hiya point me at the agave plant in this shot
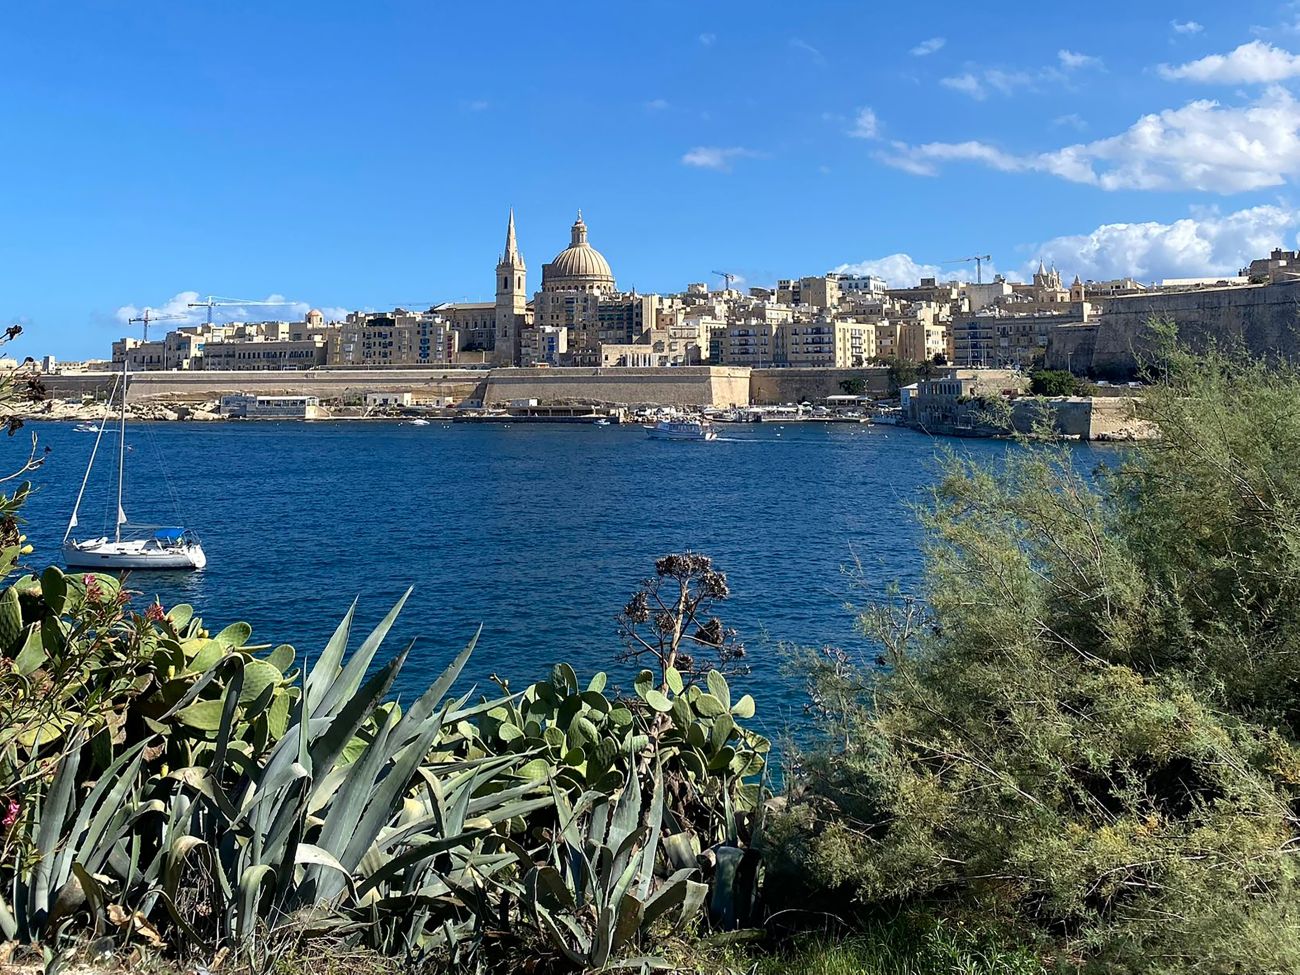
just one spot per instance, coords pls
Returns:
(329, 822)
(598, 892)
(358, 818)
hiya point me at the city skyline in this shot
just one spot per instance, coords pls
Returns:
(345, 159)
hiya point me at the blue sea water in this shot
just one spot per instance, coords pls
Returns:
(539, 533)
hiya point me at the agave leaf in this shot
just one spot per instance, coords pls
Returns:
(250, 889)
(676, 892)
(357, 788)
(628, 920)
(345, 685)
(415, 854)
(106, 804)
(8, 923)
(53, 814)
(325, 749)
(328, 665)
(654, 823)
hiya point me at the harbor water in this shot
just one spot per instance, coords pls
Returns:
(537, 533)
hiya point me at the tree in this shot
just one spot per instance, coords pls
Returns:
(1086, 724)
(1053, 382)
(853, 387)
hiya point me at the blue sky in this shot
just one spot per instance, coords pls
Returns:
(351, 155)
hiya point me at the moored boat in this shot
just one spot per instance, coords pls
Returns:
(130, 547)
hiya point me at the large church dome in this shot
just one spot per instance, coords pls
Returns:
(579, 267)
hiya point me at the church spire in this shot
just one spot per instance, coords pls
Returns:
(511, 255)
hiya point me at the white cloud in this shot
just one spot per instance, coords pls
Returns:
(477, 105)
(656, 105)
(978, 82)
(718, 157)
(928, 47)
(799, 44)
(902, 271)
(1072, 60)
(1256, 62)
(899, 270)
(1186, 26)
(707, 39)
(865, 124)
(176, 313)
(967, 84)
(1199, 246)
(1200, 146)
(1073, 121)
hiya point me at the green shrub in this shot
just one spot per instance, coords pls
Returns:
(1088, 729)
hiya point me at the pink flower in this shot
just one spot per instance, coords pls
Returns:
(155, 613)
(11, 814)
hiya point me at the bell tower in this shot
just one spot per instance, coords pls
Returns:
(512, 300)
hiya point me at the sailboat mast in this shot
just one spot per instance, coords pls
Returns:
(121, 455)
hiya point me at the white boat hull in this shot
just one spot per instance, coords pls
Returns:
(132, 554)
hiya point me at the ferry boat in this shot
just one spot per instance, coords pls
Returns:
(682, 430)
(130, 547)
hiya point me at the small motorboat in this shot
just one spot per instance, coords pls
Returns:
(682, 430)
(419, 422)
(86, 428)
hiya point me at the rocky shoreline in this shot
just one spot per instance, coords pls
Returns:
(72, 412)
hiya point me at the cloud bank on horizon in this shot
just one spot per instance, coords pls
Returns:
(1210, 244)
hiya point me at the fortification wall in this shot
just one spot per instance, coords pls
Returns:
(720, 386)
(331, 384)
(1265, 319)
(773, 386)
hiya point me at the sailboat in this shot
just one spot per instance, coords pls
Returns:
(131, 547)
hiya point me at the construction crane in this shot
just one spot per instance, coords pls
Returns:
(979, 260)
(727, 278)
(148, 317)
(212, 301)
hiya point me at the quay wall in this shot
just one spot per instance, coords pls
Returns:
(792, 385)
(327, 384)
(686, 386)
(720, 386)
(1264, 319)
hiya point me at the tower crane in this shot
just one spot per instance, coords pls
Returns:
(979, 260)
(212, 301)
(727, 278)
(148, 317)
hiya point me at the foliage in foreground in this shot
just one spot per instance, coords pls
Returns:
(1089, 731)
(167, 785)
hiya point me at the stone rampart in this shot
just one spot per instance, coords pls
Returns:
(327, 384)
(720, 386)
(1264, 319)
